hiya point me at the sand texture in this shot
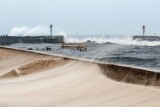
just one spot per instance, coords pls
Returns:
(29, 79)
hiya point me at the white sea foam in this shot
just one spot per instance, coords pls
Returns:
(125, 40)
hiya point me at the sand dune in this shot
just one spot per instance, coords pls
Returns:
(29, 79)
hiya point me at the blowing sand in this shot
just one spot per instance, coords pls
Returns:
(30, 79)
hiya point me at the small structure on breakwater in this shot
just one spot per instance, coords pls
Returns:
(144, 37)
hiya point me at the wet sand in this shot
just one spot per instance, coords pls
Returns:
(29, 79)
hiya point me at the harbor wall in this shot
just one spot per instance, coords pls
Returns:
(146, 38)
(7, 40)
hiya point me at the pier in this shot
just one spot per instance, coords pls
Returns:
(78, 46)
(7, 40)
(146, 38)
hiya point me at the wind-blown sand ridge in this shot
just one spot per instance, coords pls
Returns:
(35, 79)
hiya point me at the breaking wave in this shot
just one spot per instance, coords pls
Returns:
(29, 31)
(124, 40)
(35, 31)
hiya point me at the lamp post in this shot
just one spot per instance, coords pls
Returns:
(51, 30)
(144, 28)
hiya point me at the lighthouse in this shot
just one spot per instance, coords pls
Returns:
(51, 30)
(144, 30)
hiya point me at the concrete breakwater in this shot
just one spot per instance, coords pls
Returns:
(7, 40)
(146, 38)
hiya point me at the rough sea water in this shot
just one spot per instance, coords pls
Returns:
(114, 49)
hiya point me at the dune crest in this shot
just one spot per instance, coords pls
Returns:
(33, 67)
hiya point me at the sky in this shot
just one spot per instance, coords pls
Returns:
(121, 17)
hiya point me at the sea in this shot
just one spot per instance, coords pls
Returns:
(118, 49)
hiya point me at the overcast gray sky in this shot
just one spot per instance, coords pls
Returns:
(124, 17)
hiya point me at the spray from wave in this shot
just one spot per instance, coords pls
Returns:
(29, 31)
(146, 43)
(99, 38)
(125, 40)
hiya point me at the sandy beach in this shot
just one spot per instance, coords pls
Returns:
(29, 79)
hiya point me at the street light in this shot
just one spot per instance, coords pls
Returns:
(51, 30)
(143, 27)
